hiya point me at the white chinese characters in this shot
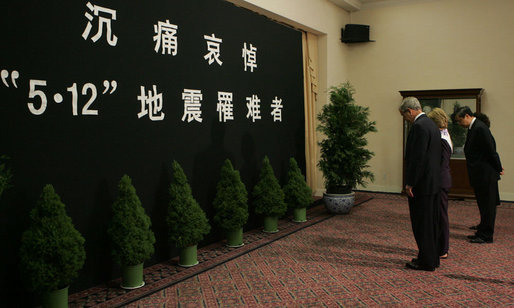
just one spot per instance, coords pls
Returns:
(151, 104)
(224, 107)
(166, 38)
(213, 48)
(254, 108)
(276, 106)
(250, 57)
(105, 19)
(192, 105)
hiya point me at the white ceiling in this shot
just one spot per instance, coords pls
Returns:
(356, 5)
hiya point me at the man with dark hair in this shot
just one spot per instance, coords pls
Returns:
(484, 170)
(423, 183)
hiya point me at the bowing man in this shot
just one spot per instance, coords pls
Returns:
(423, 183)
(484, 170)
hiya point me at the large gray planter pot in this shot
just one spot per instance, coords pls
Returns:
(339, 203)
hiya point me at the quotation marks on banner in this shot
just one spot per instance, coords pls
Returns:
(113, 85)
(14, 76)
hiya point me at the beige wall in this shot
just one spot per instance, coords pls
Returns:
(439, 44)
(420, 44)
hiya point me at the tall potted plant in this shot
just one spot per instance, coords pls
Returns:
(298, 195)
(52, 250)
(131, 236)
(231, 205)
(344, 157)
(186, 220)
(268, 197)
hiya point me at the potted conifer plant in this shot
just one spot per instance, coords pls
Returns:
(52, 250)
(268, 197)
(231, 205)
(298, 195)
(186, 220)
(131, 237)
(344, 157)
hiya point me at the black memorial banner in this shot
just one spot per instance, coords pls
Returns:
(92, 90)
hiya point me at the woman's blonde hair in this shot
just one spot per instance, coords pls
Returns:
(439, 117)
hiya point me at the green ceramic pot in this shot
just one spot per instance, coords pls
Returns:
(56, 299)
(188, 256)
(235, 238)
(300, 215)
(271, 224)
(132, 276)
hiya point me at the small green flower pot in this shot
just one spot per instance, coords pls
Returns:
(132, 276)
(235, 238)
(188, 256)
(300, 215)
(271, 224)
(56, 299)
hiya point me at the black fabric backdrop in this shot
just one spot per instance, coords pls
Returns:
(84, 156)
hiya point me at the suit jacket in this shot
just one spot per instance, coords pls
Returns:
(482, 160)
(446, 153)
(423, 157)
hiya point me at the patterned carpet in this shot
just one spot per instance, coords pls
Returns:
(354, 260)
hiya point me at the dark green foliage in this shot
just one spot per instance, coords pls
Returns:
(131, 236)
(343, 154)
(52, 250)
(268, 197)
(297, 194)
(186, 219)
(5, 175)
(231, 202)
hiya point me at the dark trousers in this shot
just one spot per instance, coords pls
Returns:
(444, 225)
(487, 199)
(424, 215)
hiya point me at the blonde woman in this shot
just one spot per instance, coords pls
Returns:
(441, 120)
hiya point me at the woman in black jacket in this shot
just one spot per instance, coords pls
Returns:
(441, 120)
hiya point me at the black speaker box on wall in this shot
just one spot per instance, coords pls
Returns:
(353, 33)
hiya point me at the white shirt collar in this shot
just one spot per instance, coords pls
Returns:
(472, 121)
(446, 136)
(418, 116)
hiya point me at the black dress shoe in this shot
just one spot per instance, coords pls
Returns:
(472, 237)
(479, 240)
(474, 227)
(418, 267)
(415, 261)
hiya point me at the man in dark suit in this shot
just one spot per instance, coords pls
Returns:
(423, 182)
(484, 170)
